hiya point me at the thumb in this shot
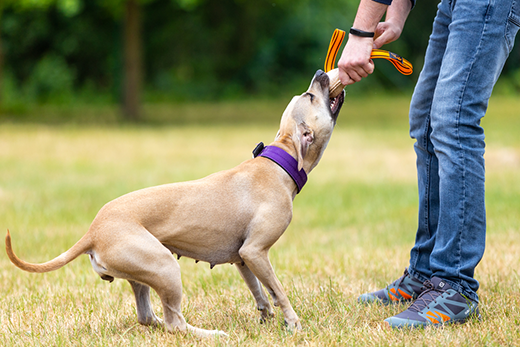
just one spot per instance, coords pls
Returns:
(372, 66)
(381, 40)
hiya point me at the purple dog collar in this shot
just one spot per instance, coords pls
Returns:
(285, 161)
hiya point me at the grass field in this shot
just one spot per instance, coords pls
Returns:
(352, 229)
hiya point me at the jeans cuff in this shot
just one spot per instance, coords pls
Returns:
(460, 288)
(417, 275)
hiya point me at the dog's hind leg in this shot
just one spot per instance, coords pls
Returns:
(153, 265)
(146, 263)
(140, 258)
(167, 283)
(256, 289)
(145, 313)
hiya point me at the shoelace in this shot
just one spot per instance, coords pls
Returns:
(400, 280)
(428, 295)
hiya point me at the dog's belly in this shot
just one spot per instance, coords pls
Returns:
(221, 254)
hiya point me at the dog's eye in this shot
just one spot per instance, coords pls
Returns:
(310, 95)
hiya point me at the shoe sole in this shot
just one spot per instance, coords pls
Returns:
(420, 325)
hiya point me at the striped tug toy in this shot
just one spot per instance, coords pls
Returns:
(402, 65)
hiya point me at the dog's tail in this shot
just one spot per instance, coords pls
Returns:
(83, 245)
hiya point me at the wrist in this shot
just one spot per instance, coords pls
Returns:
(396, 21)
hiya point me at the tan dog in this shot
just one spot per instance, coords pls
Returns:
(232, 216)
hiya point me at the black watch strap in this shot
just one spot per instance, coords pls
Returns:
(361, 33)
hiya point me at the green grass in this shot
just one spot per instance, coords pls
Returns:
(353, 226)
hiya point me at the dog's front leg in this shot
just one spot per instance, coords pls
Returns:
(256, 289)
(256, 258)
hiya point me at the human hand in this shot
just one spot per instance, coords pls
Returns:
(386, 32)
(355, 63)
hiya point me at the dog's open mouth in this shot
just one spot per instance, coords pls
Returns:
(336, 103)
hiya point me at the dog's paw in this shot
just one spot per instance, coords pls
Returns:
(152, 321)
(265, 314)
(294, 326)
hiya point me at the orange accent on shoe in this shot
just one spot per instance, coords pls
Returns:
(393, 295)
(443, 316)
(404, 294)
(432, 318)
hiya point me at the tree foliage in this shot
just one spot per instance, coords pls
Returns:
(191, 49)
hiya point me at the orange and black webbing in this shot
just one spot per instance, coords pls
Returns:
(402, 65)
(334, 45)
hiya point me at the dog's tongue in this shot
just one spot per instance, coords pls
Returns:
(335, 86)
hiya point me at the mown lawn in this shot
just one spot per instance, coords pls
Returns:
(353, 226)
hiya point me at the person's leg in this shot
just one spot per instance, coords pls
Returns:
(420, 130)
(470, 46)
(427, 170)
(421, 109)
(475, 55)
(480, 38)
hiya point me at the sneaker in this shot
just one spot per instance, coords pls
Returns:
(405, 288)
(438, 304)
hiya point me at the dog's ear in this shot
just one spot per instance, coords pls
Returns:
(302, 137)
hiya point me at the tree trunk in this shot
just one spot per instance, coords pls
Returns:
(132, 61)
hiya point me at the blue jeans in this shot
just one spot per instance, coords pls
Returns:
(469, 44)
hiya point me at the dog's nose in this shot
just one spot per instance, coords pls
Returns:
(322, 78)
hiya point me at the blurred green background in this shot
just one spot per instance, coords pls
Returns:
(138, 52)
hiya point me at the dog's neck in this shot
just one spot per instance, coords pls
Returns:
(285, 160)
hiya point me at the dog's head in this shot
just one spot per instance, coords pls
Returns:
(308, 121)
